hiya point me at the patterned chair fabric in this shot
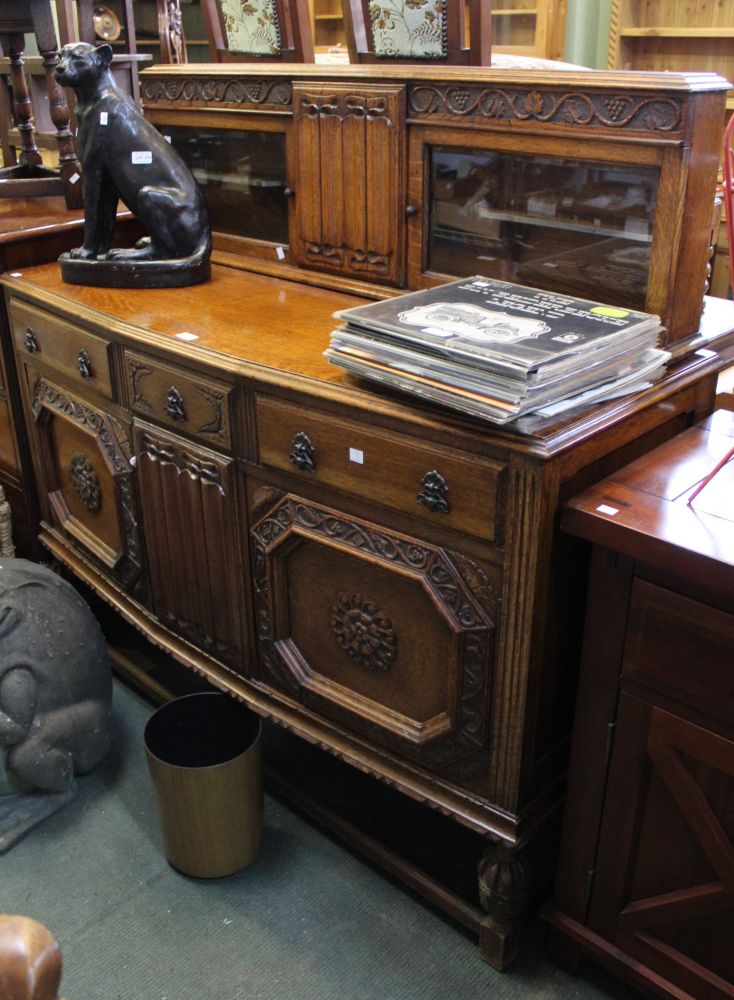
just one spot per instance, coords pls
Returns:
(413, 29)
(252, 27)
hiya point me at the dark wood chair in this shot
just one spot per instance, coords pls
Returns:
(28, 177)
(433, 31)
(263, 30)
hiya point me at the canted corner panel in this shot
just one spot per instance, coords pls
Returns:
(85, 467)
(350, 141)
(383, 634)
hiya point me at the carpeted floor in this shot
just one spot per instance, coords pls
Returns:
(306, 920)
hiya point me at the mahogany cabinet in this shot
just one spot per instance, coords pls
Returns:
(645, 873)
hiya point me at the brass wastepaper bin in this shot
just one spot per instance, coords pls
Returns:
(205, 763)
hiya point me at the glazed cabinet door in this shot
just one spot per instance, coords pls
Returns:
(187, 496)
(85, 479)
(663, 891)
(385, 635)
(350, 187)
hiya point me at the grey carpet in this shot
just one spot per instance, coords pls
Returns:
(306, 920)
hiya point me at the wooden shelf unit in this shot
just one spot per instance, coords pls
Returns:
(669, 35)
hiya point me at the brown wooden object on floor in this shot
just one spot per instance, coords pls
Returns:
(30, 960)
(29, 177)
(646, 874)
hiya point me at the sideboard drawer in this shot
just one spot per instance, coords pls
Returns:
(435, 484)
(76, 353)
(681, 647)
(187, 401)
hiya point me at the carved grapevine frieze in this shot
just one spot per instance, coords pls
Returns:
(276, 93)
(658, 113)
(364, 631)
(85, 482)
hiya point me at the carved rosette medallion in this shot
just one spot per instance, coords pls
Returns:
(638, 112)
(363, 630)
(85, 482)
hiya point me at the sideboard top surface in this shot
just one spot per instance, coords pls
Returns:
(275, 331)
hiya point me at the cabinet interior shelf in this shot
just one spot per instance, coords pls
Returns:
(660, 32)
(548, 222)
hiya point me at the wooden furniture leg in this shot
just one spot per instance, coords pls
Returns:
(504, 880)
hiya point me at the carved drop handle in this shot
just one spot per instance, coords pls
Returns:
(84, 364)
(174, 404)
(30, 342)
(303, 454)
(433, 493)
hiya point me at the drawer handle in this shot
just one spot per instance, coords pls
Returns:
(84, 364)
(303, 453)
(30, 342)
(434, 492)
(174, 404)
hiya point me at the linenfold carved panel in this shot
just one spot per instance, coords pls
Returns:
(390, 637)
(188, 493)
(350, 141)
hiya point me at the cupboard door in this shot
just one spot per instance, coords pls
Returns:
(350, 187)
(387, 636)
(663, 891)
(85, 475)
(187, 499)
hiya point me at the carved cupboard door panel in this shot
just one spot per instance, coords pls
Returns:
(350, 179)
(85, 475)
(663, 890)
(187, 499)
(387, 636)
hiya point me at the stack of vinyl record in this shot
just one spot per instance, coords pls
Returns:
(497, 350)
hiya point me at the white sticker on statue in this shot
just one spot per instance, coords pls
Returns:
(142, 156)
(103, 117)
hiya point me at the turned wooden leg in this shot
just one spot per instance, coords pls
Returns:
(69, 169)
(503, 892)
(22, 108)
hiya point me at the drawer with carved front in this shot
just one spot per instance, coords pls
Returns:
(440, 486)
(184, 400)
(47, 340)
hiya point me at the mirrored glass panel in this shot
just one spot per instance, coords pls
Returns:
(242, 175)
(573, 226)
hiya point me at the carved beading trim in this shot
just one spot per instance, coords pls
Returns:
(453, 752)
(613, 110)
(239, 93)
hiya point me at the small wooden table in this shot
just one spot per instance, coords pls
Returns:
(645, 881)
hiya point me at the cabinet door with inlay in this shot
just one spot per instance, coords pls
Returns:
(383, 634)
(188, 504)
(85, 476)
(350, 187)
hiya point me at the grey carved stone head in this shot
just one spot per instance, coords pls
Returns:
(55, 682)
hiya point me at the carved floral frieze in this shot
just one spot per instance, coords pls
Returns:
(643, 112)
(237, 92)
